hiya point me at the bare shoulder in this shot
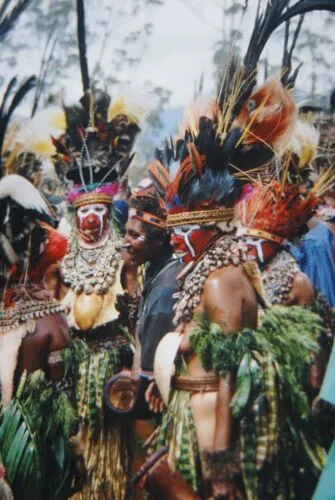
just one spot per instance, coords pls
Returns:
(302, 291)
(229, 298)
(231, 278)
(53, 281)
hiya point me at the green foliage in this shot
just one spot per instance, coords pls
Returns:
(34, 433)
(270, 402)
(288, 336)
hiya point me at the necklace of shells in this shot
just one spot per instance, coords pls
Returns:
(92, 270)
(225, 251)
(278, 278)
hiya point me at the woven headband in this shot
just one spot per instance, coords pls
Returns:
(263, 234)
(200, 216)
(87, 199)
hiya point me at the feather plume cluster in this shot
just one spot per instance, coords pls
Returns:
(98, 139)
(279, 210)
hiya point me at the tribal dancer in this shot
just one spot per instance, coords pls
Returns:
(218, 450)
(275, 212)
(96, 149)
(37, 417)
(238, 422)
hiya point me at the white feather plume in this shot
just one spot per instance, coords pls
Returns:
(23, 193)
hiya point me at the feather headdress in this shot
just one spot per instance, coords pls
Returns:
(96, 146)
(247, 130)
(25, 216)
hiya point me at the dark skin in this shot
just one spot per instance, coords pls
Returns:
(51, 335)
(230, 301)
(140, 248)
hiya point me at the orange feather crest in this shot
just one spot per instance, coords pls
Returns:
(268, 116)
(281, 211)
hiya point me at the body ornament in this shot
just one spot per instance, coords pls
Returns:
(92, 270)
(224, 252)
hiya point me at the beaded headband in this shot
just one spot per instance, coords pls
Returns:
(148, 218)
(87, 199)
(200, 216)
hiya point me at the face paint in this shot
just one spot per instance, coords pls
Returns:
(190, 241)
(92, 222)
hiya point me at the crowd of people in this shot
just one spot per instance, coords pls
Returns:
(171, 340)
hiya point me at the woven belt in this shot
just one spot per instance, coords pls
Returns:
(193, 384)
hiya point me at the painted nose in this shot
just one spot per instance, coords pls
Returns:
(90, 219)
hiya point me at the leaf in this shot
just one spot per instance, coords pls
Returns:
(12, 426)
(243, 386)
(16, 451)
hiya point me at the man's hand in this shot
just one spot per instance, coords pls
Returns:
(153, 398)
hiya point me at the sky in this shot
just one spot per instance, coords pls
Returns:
(183, 40)
(179, 49)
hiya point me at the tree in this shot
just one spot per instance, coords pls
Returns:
(115, 48)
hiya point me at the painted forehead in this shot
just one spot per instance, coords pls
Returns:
(187, 228)
(93, 207)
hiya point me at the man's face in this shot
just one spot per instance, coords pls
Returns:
(92, 222)
(136, 243)
(190, 241)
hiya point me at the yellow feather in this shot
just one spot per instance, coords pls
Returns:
(58, 120)
(304, 142)
(123, 106)
(41, 147)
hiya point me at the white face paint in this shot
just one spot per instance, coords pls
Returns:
(185, 232)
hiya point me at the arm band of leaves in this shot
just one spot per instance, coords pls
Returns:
(223, 465)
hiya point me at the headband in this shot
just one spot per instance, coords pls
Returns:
(148, 218)
(200, 216)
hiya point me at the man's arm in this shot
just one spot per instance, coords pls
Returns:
(229, 301)
(53, 282)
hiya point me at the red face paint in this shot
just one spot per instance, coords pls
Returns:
(92, 222)
(189, 242)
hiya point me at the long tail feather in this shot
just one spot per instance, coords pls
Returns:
(267, 21)
(81, 31)
(304, 6)
(7, 21)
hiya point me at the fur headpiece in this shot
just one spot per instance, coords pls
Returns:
(146, 206)
(279, 210)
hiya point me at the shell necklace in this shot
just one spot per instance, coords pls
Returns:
(92, 270)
